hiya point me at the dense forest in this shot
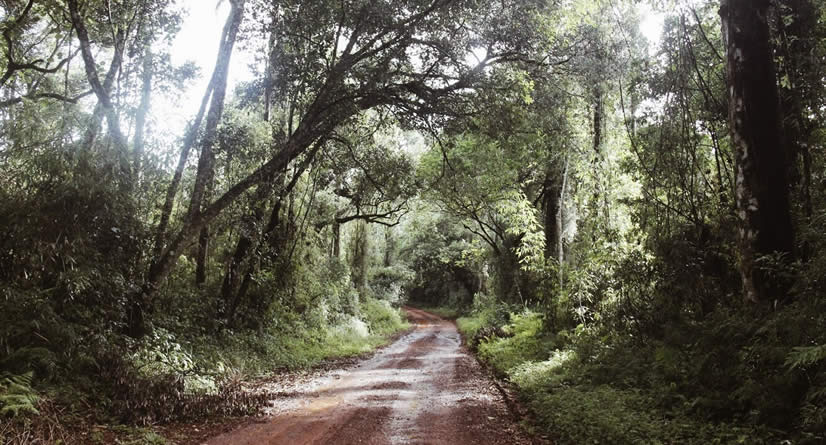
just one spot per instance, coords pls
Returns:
(629, 230)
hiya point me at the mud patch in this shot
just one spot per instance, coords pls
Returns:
(410, 363)
(392, 385)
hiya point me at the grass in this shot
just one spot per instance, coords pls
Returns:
(205, 360)
(300, 346)
(572, 409)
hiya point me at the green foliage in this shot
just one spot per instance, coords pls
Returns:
(382, 318)
(445, 263)
(389, 282)
(522, 220)
(485, 313)
(602, 414)
(524, 342)
(17, 396)
(805, 356)
(629, 328)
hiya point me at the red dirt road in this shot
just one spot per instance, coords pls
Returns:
(423, 389)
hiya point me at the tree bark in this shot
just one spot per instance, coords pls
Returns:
(143, 111)
(762, 187)
(172, 190)
(93, 128)
(560, 218)
(247, 242)
(336, 239)
(552, 203)
(105, 101)
(205, 176)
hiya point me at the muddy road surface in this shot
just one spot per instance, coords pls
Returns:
(423, 389)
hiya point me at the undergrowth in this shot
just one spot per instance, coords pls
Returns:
(727, 380)
(180, 377)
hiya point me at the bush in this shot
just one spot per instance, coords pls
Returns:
(381, 317)
(524, 342)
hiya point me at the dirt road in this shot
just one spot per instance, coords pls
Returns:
(423, 389)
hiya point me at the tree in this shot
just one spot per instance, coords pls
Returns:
(760, 155)
(205, 175)
(358, 58)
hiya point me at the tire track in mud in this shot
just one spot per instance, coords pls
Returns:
(425, 388)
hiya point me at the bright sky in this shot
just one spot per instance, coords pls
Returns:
(651, 26)
(198, 42)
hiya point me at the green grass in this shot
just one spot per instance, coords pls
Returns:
(572, 409)
(470, 325)
(301, 346)
(526, 344)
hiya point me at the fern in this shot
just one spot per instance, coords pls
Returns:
(805, 356)
(17, 395)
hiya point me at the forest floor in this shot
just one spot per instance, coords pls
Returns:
(425, 388)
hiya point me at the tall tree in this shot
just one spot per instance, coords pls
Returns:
(760, 156)
(205, 175)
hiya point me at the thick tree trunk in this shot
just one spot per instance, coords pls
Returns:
(507, 271)
(762, 185)
(600, 207)
(172, 190)
(389, 246)
(359, 249)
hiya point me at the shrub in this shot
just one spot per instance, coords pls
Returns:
(381, 317)
(524, 343)
(16, 395)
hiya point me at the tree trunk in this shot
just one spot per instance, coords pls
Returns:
(271, 235)
(104, 99)
(560, 218)
(93, 128)
(172, 190)
(143, 111)
(336, 239)
(359, 249)
(247, 240)
(275, 242)
(389, 246)
(205, 175)
(552, 203)
(762, 185)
